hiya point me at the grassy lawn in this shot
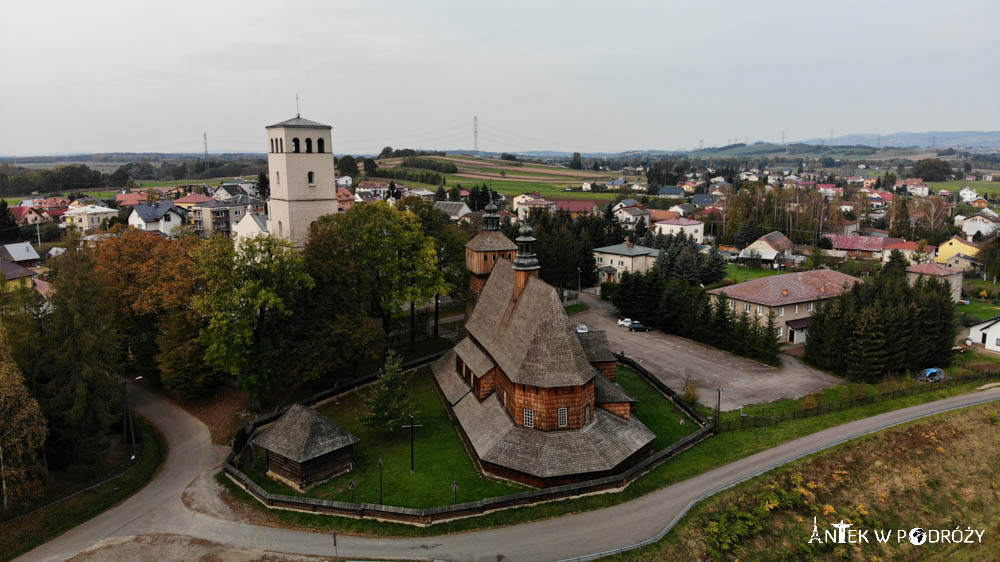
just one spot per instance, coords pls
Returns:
(20, 535)
(938, 471)
(741, 274)
(440, 458)
(653, 409)
(977, 310)
(575, 308)
(716, 451)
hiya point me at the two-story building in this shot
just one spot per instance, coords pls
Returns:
(791, 297)
(216, 217)
(689, 227)
(88, 217)
(958, 253)
(613, 261)
(159, 216)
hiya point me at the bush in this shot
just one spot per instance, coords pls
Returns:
(608, 290)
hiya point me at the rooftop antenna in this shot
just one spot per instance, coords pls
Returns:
(204, 137)
(297, 114)
(475, 133)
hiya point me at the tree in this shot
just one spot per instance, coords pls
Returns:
(454, 194)
(22, 433)
(441, 194)
(714, 269)
(348, 166)
(181, 356)
(263, 186)
(9, 229)
(576, 163)
(932, 169)
(386, 152)
(817, 257)
(388, 400)
(378, 256)
(249, 291)
(900, 226)
(824, 243)
(371, 167)
(83, 366)
(748, 233)
(896, 264)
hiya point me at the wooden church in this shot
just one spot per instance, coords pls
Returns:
(536, 400)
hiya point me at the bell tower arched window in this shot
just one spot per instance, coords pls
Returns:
(272, 145)
(319, 146)
(309, 145)
(281, 145)
(310, 178)
(295, 144)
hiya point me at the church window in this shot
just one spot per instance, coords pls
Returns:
(586, 413)
(272, 145)
(281, 145)
(562, 417)
(280, 230)
(311, 179)
(309, 145)
(277, 176)
(295, 144)
(529, 418)
(319, 146)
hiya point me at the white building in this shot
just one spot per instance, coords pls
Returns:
(249, 226)
(986, 333)
(88, 217)
(693, 228)
(300, 164)
(919, 190)
(158, 216)
(967, 194)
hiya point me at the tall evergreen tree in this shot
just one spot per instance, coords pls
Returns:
(866, 351)
(388, 400)
(9, 230)
(714, 269)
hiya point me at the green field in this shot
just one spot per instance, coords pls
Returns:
(169, 183)
(662, 417)
(954, 186)
(741, 274)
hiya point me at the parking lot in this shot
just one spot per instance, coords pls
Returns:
(673, 360)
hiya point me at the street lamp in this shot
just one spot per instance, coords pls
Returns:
(454, 488)
(352, 485)
(578, 280)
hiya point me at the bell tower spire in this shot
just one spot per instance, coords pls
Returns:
(483, 251)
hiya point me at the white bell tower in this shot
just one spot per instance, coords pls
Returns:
(303, 182)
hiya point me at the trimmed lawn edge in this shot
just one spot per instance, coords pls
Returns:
(69, 513)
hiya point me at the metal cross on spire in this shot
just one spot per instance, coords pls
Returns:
(297, 114)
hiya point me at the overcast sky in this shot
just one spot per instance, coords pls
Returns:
(101, 76)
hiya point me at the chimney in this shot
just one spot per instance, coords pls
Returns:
(526, 263)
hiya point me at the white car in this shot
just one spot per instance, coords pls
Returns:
(624, 322)
(582, 329)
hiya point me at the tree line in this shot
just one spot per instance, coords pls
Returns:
(884, 327)
(432, 178)
(430, 164)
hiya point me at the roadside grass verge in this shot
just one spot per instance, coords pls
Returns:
(21, 535)
(575, 308)
(716, 451)
(934, 473)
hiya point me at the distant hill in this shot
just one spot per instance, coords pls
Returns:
(931, 138)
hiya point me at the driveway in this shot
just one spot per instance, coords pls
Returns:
(673, 360)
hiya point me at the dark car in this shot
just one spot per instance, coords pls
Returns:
(639, 327)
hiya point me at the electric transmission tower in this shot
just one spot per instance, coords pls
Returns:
(204, 137)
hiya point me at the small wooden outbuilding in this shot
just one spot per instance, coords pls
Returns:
(305, 448)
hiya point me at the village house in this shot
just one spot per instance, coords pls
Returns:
(344, 181)
(345, 199)
(21, 253)
(191, 200)
(159, 216)
(533, 402)
(577, 208)
(534, 205)
(791, 297)
(27, 215)
(967, 194)
(613, 261)
(129, 199)
(936, 271)
(863, 247)
(684, 209)
(772, 248)
(16, 276)
(958, 253)
(250, 225)
(88, 217)
(980, 203)
(656, 215)
(914, 252)
(519, 200)
(631, 216)
(454, 209)
(987, 334)
(702, 200)
(689, 227)
(984, 223)
(670, 193)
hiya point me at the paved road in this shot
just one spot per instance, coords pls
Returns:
(158, 509)
(673, 360)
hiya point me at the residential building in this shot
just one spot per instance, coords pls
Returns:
(921, 190)
(689, 227)
(345, 199)
(130, 199)
(630, 216)
(624, 203)
(958, 253)
(989, 177)
(773, 247)
(523, 198)
(657, 215)
(16, 275)
(454, 209)
(250, 225)
(984, 223)
(88, 217)
(345, 181)
(980, 203)
(684, 209)
(216, 217)
(791, 297)
(670, 193)
(300, 167)
(967, 194)
(27, 215)
(914, 252)
(227, 191)
(158, 216)
(702, 200)
(936, 271)
(21, 253)
(578, 207)
(613, 261)
(864, 247)
(532, 397)
(987, 334)
(526, 208)
(191, 200)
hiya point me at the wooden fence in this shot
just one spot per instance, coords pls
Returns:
(469, 509)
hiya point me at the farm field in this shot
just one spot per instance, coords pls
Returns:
(954, 186)
(169, 183)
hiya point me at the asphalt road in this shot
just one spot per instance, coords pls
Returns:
(674, 360)
(158, 508)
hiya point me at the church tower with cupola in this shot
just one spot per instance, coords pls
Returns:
(483, 251)
(303, 181)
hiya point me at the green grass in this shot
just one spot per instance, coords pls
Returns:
(20, 535)
(741, 274)
(654, 410)
(977, 310)
(440, 458)
(716, 451)
(13, 200)
(575, 308)
(169, 183)
(957, 185)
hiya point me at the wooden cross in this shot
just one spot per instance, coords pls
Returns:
(412, 425)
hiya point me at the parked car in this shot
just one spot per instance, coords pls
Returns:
(638, 327)
(625, 322)
(582, 329)
(933, 374)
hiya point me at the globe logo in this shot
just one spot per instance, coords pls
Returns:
(917, 536)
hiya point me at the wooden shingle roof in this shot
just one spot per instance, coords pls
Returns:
(490, 241)
(302, 434)
(529, 339)
(595, 345)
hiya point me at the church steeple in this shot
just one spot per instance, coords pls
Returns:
(483, 251)
(526, 263)
(491, 219)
